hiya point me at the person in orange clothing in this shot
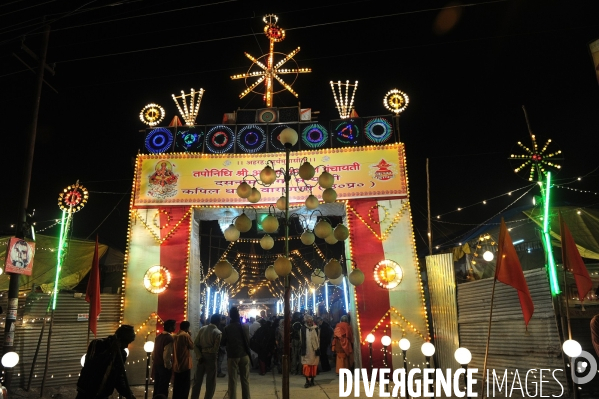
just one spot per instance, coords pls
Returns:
(182, 362)
(343, 339)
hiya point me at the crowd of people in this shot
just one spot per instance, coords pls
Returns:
(257, 342)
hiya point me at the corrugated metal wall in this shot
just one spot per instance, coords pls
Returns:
(442, 288)
(69, 336)
(509, 347)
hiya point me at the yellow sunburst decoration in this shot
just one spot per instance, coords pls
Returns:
(157, 279)
(388, 274)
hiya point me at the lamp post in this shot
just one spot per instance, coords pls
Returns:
(149, 348)
(572, 349)
(428, 350)
(404, 345)
(386, 341)
(9, 360)
(370, 340)
(463, 357)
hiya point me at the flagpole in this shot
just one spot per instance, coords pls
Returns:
(567, 304)
(488, 340)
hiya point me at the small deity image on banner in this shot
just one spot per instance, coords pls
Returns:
(19, 256)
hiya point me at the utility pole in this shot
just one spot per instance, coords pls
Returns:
(13, 288)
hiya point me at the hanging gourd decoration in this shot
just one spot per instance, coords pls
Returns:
(307, 237)
(270, 273)
(326, 180)
(336, 281)
(243, 223)
(333, 269)
(356, 277)
(331, 240)
(322, 229)
(270, 224)
(232, 279)
(223, 269)
(244, 190)
(341, 232)
(267, 242)
(312, 202)
(281, 203)
(306, 171)
(231, 233)
(317, 276)
(329, 195)
(268, 175)
(282, 266)
(254, 195)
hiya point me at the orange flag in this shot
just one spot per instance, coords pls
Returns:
(92, 294)
(573, 261)
(509, 271)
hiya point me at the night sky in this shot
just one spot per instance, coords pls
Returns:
(467, 70)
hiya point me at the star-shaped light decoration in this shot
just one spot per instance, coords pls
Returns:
(538, 160)
(269, 71)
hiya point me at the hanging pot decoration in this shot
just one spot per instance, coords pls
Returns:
(231, 233)
(254, 195)
(268, 175)
(270, 224)
(341, 232)
(223, 269)
(232, 279)
(282, 266)
(323, 229)
(312, 202)
(329, 195)
(331, 240)
(267, 242)
(243, 223)
(281, 203)
(306, 171)
(307, 237)
(244, 190)
(317, 276)
(333, 269)
(356, 277)
(326, 180)
(270, 273)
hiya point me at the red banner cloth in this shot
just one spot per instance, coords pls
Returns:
(92, 293)
(573, 261)
(509, 271)
(373, 300)
(173, 256)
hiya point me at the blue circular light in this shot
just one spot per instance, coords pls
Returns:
(159, 140)
(315, 135)
(251, 139)
(378, 130)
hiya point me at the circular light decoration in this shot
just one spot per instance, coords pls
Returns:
(220, 139)
(540, 159)
(315, 135)
(73, 198)
(268, 115)
(159, 140)
(273, 138)
(189, 140)
(251, 138)
(396, 101)
(347, 132)
(152, 114)
(378, 130)
(388, 274)
(157, 279)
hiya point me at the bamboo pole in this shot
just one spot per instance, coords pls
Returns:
(428, 203)
(488, 340)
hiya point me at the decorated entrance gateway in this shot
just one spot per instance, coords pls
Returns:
(272, 210)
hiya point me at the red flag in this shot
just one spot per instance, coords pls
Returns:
(573, 261)
(509, 271)
(92, 294)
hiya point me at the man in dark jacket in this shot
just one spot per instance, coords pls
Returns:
(104, 368)
(236, 337)
(326, 336)
(162, 369)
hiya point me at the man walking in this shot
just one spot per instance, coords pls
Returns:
(104, 369)
(222, 351)
(326, 335)
(182, 363)
(206, 346)
(161, 367)
(236, 337)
